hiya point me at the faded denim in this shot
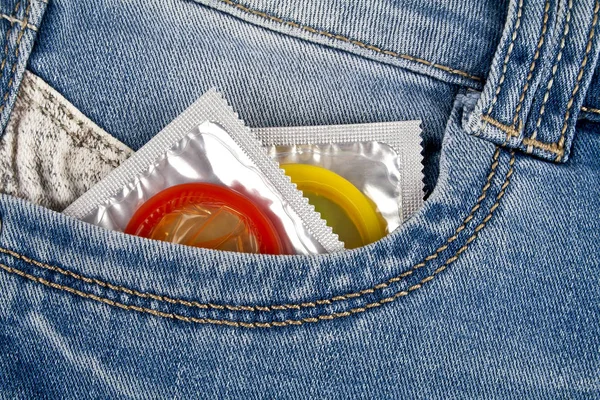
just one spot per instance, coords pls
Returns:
(490, 291)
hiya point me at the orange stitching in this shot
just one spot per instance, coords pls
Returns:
(561, 141)
(558, 148)
(509, 130)
(253, 308)
(554, 69)
(345, 39)
(17, 49)
(287, 322)
(511, 46)
(533, 62)
(591, 110)
(551, 147)
(7, 38)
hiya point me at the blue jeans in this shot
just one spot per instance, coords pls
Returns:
(490, 290)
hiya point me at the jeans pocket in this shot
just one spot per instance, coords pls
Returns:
(180, 283)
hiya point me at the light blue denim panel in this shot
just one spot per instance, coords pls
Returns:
(19, 23)
(416, 35)
(540, 77)
(132, 79)
(481, 294)
(482, 308)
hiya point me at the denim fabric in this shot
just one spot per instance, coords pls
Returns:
(532, 102)
(141, 85)
(19, 23)
(402, 34)
(490, 291)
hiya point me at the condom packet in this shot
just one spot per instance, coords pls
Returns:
(208, 143)
(383, 160)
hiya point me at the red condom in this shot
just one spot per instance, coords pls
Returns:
(206, 215)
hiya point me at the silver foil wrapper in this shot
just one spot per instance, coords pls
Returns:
(372, 167)
(207, 143)
(383, 159)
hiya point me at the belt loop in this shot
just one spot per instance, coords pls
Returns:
(539, 77)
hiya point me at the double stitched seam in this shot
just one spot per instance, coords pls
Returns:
(254, 308)
(588, 49)
(287, 322)
(77, 142)
(509, 51)
(558, 148)
(14, 67)
(531, 141)
(540, 43)
(550, 147)
(514, 130)
(346, 39)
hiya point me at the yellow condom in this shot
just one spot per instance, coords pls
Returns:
(350, 214)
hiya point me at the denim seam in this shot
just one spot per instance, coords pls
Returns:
(278, 307)
(558, 147)
(547, 146)
(541, 41)
(509, 130)
(288, 322)
(346, 39)
(563, 41)
(512, 132)
(514, 34)
(17, 47)
(14, 20)
(7, 38)
(561, 141)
